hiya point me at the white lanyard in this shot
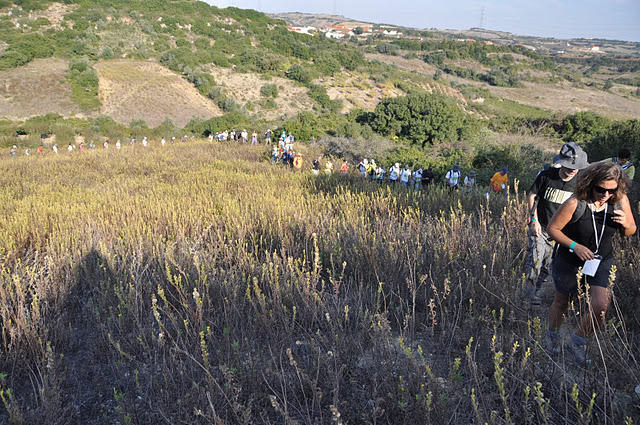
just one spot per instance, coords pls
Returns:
(595, 230)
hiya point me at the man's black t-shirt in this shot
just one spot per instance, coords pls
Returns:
(551, 192)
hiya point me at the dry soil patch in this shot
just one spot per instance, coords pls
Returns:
(357, 91)
(570, 100)
(245, 87)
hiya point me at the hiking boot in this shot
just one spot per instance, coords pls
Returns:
(552, 342)
(531, 295)
(578, 349)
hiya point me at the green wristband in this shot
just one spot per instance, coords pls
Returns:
(534, 219)
(573, 245)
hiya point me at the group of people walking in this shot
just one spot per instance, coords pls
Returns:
(106, 144)
(240, 136)
(575, 210)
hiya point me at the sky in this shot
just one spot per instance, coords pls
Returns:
(609, 19)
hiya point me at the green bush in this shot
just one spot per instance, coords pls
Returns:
(620, 134)
(326, 64)
(523, 162)
(583, 127)
(268, 104)
(217, 95)
(269, 90)
(299, 73)
(213, 125)
(230, 105)
(84, 84)
(319, 94)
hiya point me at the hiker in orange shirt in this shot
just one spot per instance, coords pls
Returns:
(500, 180)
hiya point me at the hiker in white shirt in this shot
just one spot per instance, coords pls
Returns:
(417, 179)
(453, 177)
(404, 175)
(470, 181)
(394, 172)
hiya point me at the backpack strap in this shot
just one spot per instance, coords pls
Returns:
(579, 212)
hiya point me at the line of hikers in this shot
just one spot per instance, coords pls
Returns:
(405, 175)
(106, 144)
(240, 136)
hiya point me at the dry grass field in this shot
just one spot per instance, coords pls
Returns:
(197, 284)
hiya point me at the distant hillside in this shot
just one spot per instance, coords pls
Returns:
(183, 60)
(140, 60)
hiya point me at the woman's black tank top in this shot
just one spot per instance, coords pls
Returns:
(582, 231)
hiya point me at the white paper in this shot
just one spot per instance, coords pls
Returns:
(591, 267)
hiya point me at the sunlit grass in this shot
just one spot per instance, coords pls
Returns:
(198, 283)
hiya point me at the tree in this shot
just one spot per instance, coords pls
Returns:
(421, 118)
(583, 126)
(621, 134)
(358, 31)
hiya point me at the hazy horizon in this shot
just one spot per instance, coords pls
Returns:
(604, 19)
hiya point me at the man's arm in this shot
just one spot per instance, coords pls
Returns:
(534, 223)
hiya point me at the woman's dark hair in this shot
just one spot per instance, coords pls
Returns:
(599, 172)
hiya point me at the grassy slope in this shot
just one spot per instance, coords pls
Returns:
(197, 284)
(37, 88)
(135, 90)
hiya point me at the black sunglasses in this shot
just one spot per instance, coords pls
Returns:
(603, 190)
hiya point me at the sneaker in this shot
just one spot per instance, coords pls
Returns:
(578, 349)
(532, 296)
(552, 342)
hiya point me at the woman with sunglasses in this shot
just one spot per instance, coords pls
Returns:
(583, 228)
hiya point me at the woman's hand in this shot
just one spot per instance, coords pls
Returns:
(619, 217)
(583, 252)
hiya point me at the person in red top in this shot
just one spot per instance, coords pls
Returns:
(344, 168)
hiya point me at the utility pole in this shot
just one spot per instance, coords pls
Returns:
(482, 17)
